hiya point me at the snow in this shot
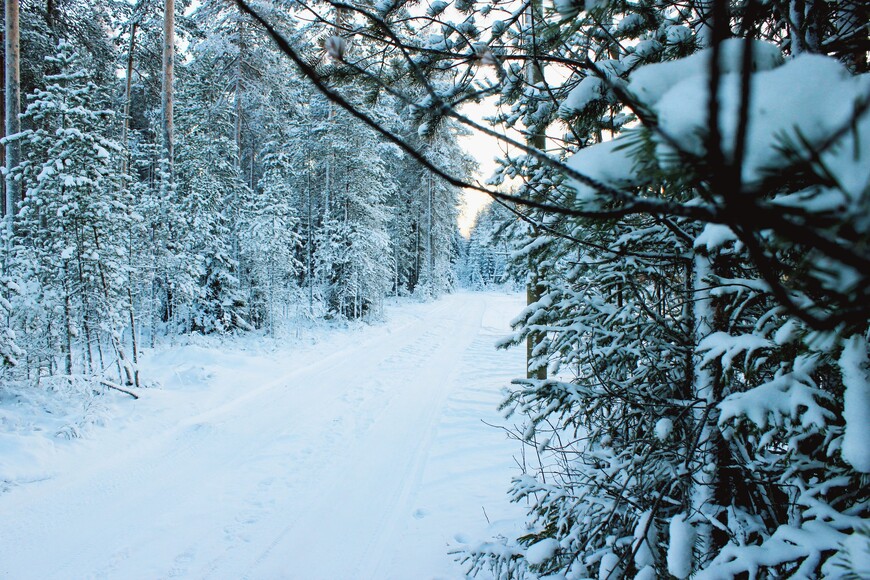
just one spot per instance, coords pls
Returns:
(789, 394)
(586, 91)
(678, 34)
(264, 459)
(856, 559)
(856, 404)
(787, 544)
(645, 538)
(608, 569)
(715, 236)
(682, 538)
(647, 48)
(651, 82)
(540, 552)
(811, 112)
(664, 428)
(437, 7)
(630, 23)
(603, 164)
(646, 573)
(725, 347)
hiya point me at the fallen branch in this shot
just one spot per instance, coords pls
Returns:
(124, 390)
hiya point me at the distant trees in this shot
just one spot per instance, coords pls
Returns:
(488, 253)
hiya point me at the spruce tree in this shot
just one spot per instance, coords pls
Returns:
(75, 213)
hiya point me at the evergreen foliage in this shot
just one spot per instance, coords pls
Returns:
(694, 422)
(274, 199)
(688, 210)
(74, 211)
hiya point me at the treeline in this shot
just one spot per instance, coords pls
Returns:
(485, 257)
(223, 193)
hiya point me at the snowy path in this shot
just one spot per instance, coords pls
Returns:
(362, 456)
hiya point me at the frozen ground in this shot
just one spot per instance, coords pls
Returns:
(361, 454)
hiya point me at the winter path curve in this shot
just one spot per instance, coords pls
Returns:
(362, 455)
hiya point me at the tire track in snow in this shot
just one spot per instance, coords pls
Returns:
(375, 485)
(464, 482)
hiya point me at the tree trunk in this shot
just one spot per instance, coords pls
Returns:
(538, 140)
(12, 110)
(3, 130)
(803, 24)
(68, 323)
(703, 465)
(430, 258)
(49, 13)
(133, 339)
(125, 165)
(128, 89)
(237, 105)
(168, 76)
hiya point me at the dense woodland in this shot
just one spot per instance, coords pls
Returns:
(685, 196)
(223, 200)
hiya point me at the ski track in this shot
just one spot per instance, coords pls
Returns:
(363, 458)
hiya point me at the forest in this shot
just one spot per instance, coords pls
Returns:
(206, 196)
(682, 189)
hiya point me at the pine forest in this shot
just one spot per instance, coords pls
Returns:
(307, 285)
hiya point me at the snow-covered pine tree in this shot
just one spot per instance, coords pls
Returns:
(702, 374)
(269, 239)
(10, 352)
(354, 239)
(210, 192)
(73, 218)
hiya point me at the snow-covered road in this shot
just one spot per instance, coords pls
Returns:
(362, 455)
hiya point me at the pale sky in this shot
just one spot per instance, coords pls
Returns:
(485, 150)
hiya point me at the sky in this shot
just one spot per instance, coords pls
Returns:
(484, 149)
